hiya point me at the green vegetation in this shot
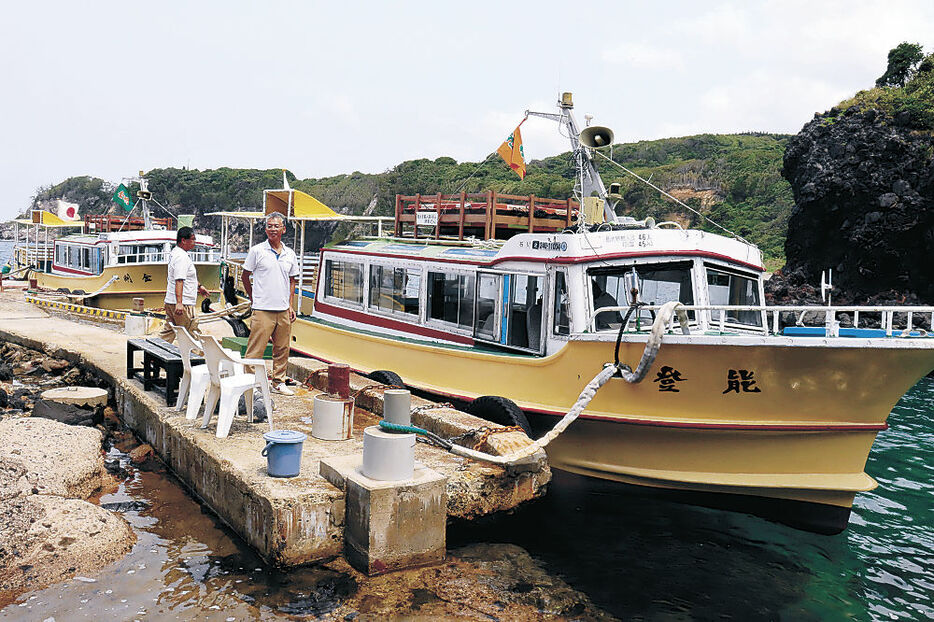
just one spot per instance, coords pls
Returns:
(733, 179)
(905, 91)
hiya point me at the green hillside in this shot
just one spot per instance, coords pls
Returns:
(734, 179)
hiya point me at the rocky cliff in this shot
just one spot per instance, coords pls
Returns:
(863, 183)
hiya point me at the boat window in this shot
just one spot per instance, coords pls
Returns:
(657, 284)
(726, 288)
(395, 289)
(86, 258)
(344, 280)
(488, 297)
(202, 254)
(524, 321)
(451, 297)
(562, 323)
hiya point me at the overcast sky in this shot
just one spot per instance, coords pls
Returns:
(323, 88)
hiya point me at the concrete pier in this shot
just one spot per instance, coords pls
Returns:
(289, 521)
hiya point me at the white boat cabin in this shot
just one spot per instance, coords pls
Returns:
(535, 290)
(89, 254)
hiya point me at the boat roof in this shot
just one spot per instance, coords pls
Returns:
(145, 235)
(567, 247)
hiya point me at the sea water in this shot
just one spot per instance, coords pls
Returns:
(634, 557)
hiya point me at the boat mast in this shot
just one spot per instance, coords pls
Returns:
(144, 195)
(588, 182)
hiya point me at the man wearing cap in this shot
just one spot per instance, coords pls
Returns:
(182, 287)
(273, 267)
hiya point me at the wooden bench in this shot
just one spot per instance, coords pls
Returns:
(157, 355)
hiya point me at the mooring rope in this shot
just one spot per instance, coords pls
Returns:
(590, 390)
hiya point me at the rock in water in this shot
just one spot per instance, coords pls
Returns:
(863, 183)
(67, 413)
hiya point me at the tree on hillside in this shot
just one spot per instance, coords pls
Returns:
(903, 63)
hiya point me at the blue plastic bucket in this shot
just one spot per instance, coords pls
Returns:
(283, 452)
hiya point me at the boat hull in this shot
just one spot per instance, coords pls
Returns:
(146, 281)
(785, 421)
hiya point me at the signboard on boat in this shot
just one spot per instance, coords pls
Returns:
(428, 219)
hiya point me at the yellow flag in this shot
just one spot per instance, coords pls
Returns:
(511, 151)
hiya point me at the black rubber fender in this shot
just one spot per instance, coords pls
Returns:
(384, 376)
(501, 411)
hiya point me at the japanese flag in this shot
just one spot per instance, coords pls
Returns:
(67, 211)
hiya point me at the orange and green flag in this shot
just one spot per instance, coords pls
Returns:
(511, 151)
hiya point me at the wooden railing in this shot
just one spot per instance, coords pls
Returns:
(489, 215)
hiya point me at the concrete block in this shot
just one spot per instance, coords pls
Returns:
(390, 525)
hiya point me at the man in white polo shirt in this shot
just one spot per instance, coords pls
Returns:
(182, 287)
(274, 270)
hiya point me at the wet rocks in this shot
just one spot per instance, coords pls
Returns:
(67, 413)
(482, 581)
(141, 453)
(864, 207)
(48, 532)
(60, 459)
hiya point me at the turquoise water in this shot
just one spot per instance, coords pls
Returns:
(650, 559)
(637, 558)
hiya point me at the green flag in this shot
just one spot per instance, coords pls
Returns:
(122, 198)
(186, 220)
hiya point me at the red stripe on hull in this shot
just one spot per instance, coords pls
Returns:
(383, 322)
(554, 260)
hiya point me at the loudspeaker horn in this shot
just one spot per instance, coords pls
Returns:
(597, 136)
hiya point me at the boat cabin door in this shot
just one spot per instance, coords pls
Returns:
(509, 309)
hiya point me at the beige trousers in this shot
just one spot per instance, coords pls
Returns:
(275, 324)
(186, 320)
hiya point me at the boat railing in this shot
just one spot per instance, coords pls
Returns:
(489, 215)
(32, 255)
(807, 320)
(144, 257)
(105, 223)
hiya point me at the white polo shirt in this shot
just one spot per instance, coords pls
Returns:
(271, 274)
(181, 267)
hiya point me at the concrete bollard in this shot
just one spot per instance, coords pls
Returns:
(388, 456)
(339, 380)
(333, 418)
(397, 406)
(138, 305)
(136, 325)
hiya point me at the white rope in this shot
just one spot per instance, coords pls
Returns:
(92, 294)
(609, 370)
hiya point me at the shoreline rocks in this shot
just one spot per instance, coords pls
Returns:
(863, 184)
(49, 532)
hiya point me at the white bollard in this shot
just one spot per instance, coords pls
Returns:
(136, 325)
(333, 418)
(388, 456)
(397, 406)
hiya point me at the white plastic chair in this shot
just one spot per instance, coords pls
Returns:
(195, 379)
(228, 389)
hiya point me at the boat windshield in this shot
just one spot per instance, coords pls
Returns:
(657, 284)
(727, 288)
